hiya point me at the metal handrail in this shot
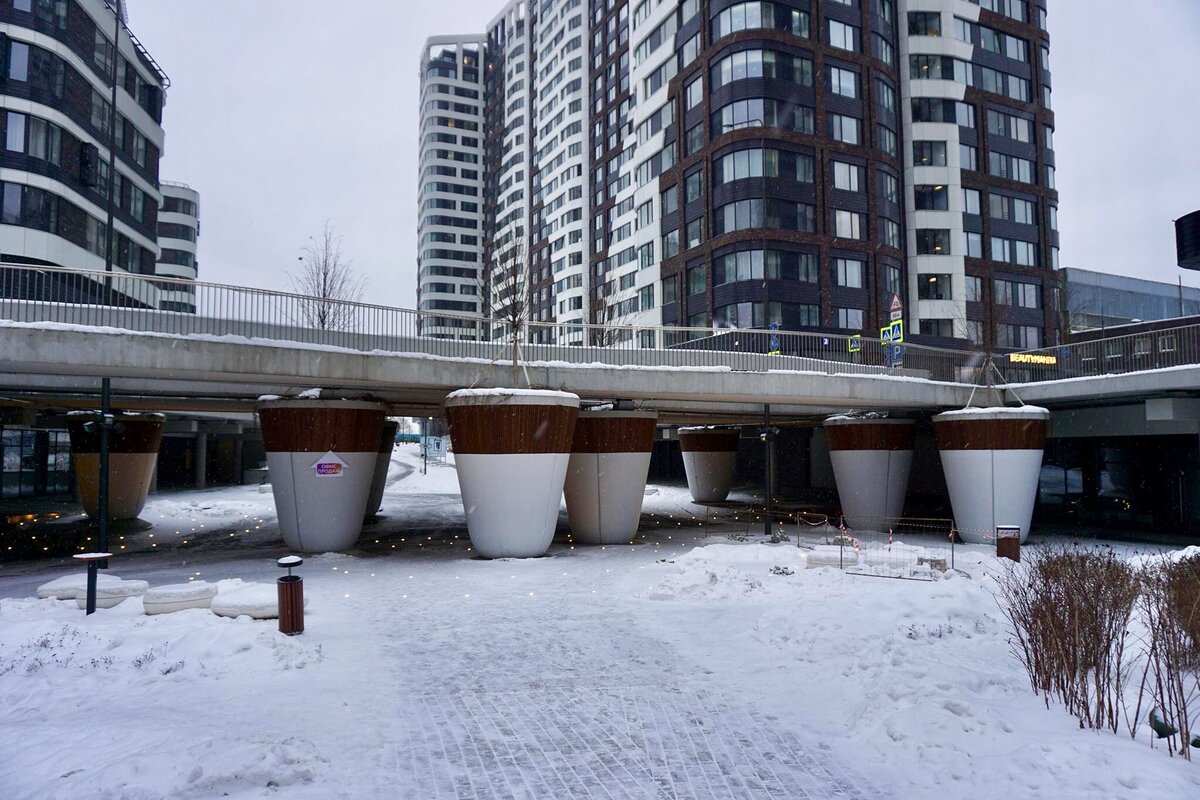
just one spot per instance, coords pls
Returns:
(1149, 349)
(129, 302)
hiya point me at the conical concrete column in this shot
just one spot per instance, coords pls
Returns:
(992, 458)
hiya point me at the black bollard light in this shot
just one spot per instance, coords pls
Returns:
(291, 597)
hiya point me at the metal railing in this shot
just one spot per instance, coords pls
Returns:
(1115, 355)
(36, 294)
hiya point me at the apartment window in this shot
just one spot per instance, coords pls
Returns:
(695, 233)
(885, 95)
(887, 139)
(974, 244)
(933, 242)
(843, 82)
(930, 197)
(991, 80)
(937, 327)
(18, 60)
(759, 111)
(805, 168)
(15, 136)
(646, 298)
(844, 128)
(973, 288)
(846, 176)
(889, 232)
(670, 243)
(848, 224)
(929, 154)
(924, 23)
(890, 187)
(758, 213)
(1011, 167)
(884, 50)
(1012, 209)
(843, 36)
(670, 289)
(850, 319)
(745, 16)
(970, 201)
(963, 30)
(694, 140)
(696, 280)
(645, 214)
(934, 109)
(1009, 126)
(895, 280)
(695, 93)
(670, 201)
(968, 157)
(933, 287)
(646, 255)
(693, 186)
(1018, 89)
(974, 331)
(1050, 177)
(1014, 251)
(762, 64)
(944, 68)
(1020, 337)
(848, 272)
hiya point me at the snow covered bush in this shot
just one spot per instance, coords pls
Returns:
(1068, 613)
(1171, 607)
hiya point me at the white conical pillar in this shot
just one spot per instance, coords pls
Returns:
(992, 458)
(511, 449)
(709, 456)
(871, 462)
(321, 457)
(606, 476)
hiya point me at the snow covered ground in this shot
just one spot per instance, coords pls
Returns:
(687, 665)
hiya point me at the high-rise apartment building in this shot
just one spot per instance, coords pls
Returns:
(178, 236)
(717, 164)
(57, 62)
(450, 179)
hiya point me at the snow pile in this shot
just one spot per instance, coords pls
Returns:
(112, 594)
(68, 587)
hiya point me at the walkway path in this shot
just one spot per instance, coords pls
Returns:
(566, 693)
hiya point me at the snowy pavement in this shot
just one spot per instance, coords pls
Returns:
(685, 666)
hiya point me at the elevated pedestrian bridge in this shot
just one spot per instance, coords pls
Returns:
(242, 343)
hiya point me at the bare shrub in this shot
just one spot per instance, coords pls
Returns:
(1171, 608)
(1068, 612)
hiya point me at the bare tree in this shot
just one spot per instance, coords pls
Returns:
(509, 287)
(612, 325)
(328, 282)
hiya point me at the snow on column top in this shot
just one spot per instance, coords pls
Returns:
(996, 412)
(517, 397)
(130, 414)
(872, 419)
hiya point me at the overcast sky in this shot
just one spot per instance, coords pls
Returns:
(285, 113)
